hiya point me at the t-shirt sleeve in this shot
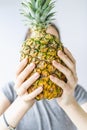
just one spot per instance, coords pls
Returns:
(8, 91)
(80, 94)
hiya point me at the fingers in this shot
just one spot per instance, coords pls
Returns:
(65, 71)
(21, 66)
(69, 55)
(70, 70)
(22, 83)
(66, 87)
(58, 82)
(23, 88)
(67, 61)
(33, 94)
(24, 74)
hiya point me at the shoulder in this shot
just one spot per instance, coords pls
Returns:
(80, 94)
(8, 91)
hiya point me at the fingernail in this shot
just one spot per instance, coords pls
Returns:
(59, 52)
(54, 62)
(32, 65)
(25, 60)
(41, 87)
(51, 77)
(37, 74)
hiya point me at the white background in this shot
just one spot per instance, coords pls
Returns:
(71, 19)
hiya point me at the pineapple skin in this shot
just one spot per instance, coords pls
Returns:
(42, 51)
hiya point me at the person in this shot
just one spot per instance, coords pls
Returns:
(20, 110)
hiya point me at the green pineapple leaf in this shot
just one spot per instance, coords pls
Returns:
(46, 4)
(39, 12)
(50, 15)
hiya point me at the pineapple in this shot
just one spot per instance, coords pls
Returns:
(41, 48)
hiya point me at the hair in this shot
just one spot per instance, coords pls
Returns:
(28, 34)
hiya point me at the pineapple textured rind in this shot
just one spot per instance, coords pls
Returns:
(41, 48)
(42, 51)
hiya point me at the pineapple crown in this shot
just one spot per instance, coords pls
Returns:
(38, 12)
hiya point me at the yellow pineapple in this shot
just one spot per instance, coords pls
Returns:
(41, 48)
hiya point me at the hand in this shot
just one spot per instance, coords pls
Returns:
(70, 73)
(21, 84)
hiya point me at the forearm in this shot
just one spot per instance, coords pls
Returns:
(14, 113)
(76, 114)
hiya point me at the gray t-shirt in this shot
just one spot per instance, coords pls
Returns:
(45, 114)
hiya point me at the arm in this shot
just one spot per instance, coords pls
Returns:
(4, 103)
(24, 101)
(84, 106)
(76, 114)
(14, 113)
(67, 101)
